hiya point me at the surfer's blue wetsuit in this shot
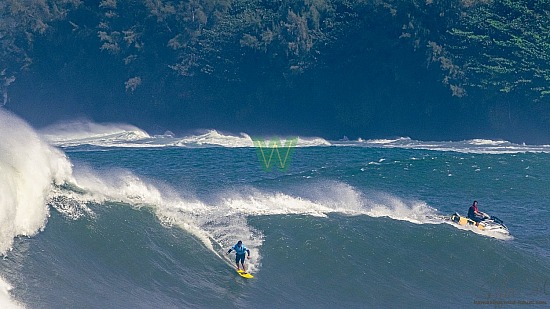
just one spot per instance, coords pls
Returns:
(240, 250)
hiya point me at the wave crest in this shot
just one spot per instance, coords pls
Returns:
(89, 133)
(480, 146)
(74, 134)
(28, 168)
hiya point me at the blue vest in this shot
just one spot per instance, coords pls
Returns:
(239, 250)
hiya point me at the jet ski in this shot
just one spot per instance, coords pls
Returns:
(489, 224)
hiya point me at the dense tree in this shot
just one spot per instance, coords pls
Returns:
(491, 53)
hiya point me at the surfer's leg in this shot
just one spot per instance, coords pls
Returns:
(241, 259)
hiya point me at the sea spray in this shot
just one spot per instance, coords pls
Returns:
(85, 132)
(6, 301)
(28, 169)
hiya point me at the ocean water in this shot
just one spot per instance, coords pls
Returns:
(107, 216)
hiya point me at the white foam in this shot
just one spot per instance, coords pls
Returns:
(385, 141)
(79, 133)
(215, 138)
(28, 167)
(88, 133)
(123, 135)
(223, 220)
(214, 226)
(6, 301)
(480, 146)
(33, 175)
(385, 205)
(471, 228)
(28, 170)
(479, 141)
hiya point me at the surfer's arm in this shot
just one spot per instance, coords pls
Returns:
(231, 249)
(248, 251)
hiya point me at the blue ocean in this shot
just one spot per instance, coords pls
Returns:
(108, 216)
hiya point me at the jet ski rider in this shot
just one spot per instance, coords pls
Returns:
(475, 214)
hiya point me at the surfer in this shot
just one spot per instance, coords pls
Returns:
(240, 250)
(475, 214)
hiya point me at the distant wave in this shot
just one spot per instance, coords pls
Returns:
(89, 133)
(75, 134)
(122, 135)
(484, 146)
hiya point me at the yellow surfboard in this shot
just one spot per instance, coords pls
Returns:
(244, 274)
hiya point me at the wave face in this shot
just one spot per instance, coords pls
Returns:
(149, 227)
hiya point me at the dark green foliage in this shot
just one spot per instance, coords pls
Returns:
(20, 21)
(504, 45)
(367, 59)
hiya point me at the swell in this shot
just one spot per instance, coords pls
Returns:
(74, 134)
(127, 257)
(375, 262)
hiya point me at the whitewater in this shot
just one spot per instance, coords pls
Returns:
(106, 215)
